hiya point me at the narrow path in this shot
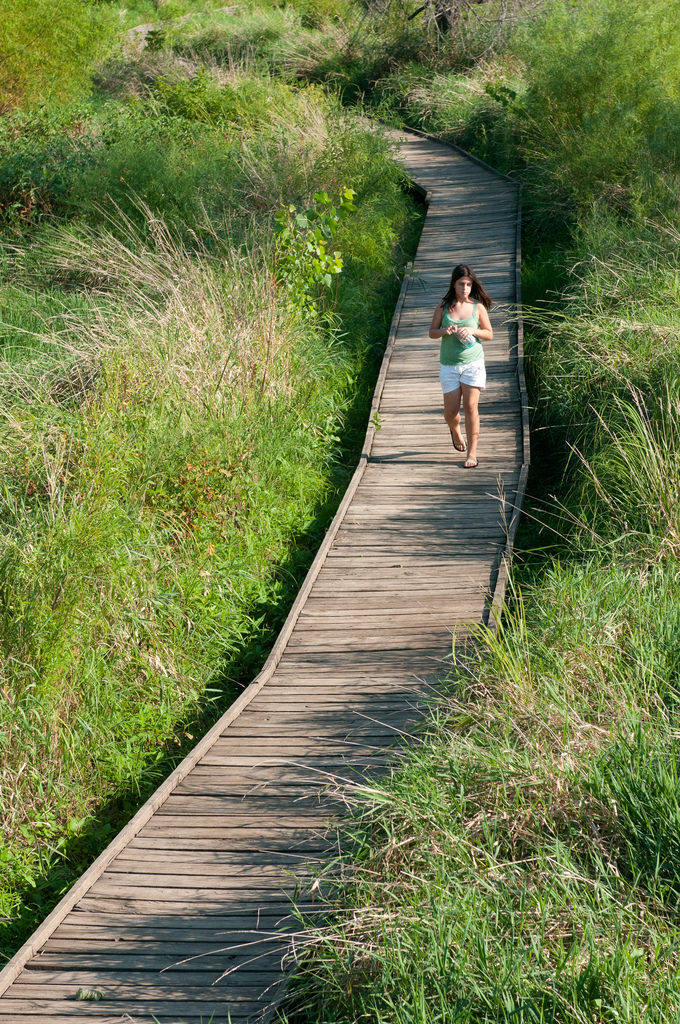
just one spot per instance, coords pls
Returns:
(414, 552)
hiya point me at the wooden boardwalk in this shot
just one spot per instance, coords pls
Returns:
(413, 553)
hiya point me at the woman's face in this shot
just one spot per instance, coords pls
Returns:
(463, 288)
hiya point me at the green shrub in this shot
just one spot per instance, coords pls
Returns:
(602, 90)
(304, 264)
(41, 153)
(177, 181)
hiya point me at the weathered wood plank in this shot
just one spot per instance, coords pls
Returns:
(97, 1017)
(149, 985)
(260, 907)
(235, 1017)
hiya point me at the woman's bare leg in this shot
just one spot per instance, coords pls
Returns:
(452, 415)
(470, 403)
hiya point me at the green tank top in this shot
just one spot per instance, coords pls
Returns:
(453, 350)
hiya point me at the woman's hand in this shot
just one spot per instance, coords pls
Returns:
(465, 334)
(436, 329)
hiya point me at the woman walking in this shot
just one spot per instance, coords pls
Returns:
(461, 319)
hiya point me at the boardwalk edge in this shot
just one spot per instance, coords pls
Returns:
(13, 967)
(495, 608)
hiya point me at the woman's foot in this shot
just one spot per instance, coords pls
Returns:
(458, 443)
(471, 463)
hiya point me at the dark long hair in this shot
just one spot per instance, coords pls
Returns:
(477, 292)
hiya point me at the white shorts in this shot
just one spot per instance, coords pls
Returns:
(451, 377)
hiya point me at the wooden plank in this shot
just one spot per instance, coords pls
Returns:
(97, 1017)
(389, 603)
(138, 928)
(425, 587)
(261, 907)
(378, 559)
(175, 1008)
(212, 966)
(149, 985)
(105, 1018)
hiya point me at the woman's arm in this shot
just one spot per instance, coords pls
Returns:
(436, 329)
(483, 333)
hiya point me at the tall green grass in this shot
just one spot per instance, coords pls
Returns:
(49, 49)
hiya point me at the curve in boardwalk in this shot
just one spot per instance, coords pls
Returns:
(416, 549)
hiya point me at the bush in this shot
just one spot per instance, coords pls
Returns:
(41, 154)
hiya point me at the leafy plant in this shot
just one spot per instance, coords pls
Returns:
(304, 264)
